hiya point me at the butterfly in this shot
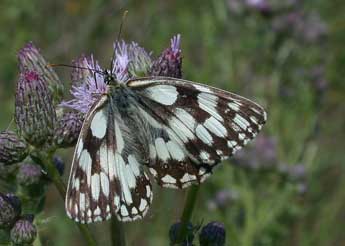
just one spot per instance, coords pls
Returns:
(174, 129)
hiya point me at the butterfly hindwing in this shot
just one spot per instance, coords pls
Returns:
(106, 176)
(207, 124)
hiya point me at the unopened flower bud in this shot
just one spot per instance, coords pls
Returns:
(30, 59)
(174, 234)
(10, 209)
(59, 164)
(68, 129)
(29, 174)
(12, 148)
(23, 232)
(213, 234)
(169, 63)
(34, 113)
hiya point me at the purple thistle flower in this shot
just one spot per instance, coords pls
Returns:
(30, 58)
(121, 61)
(175, 45)
(140, 61)
(169, 63)
(89, 85)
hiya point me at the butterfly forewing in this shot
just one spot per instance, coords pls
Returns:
(106, 177)
(200, 126)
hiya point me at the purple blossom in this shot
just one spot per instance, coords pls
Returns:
(140, 60)
(88, 84)
(121, 61)
(176, 45)
(169, 63)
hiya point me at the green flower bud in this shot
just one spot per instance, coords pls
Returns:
(213, 234)
(68, 129)
(12, 148)
(23, 232)
(10, 209)
(34, 113)
(30, 59)
(29, 174)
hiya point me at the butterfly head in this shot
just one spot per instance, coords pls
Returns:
(109, 78)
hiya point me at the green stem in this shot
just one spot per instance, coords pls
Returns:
(187, 212)
(117, 233)
(46, 161)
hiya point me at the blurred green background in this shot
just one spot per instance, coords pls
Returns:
(287, 55)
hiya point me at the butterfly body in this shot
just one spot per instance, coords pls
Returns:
(176, 130)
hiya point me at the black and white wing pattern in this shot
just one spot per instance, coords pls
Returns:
(107, 176)
(193, 127)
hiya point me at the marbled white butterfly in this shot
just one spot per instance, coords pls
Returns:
(176, 129)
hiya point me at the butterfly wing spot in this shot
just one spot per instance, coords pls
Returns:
(234, 106)
(98, 125)
(161, 149)
(241, 122)
(216, 127)
(204, 156)
(163, 94)
(186, 118)
(168, 179)
(202, 88)
(208, 102)
(203, 135)
(175, 151)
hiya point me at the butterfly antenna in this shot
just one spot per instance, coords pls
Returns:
(72, 66)
(118, 38)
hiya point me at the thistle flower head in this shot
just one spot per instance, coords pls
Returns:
(121, 61)
(34, 112)
(23, 232)
(29, 174)
(10, 209)
(30, 58)
(212, 234)
(68, 129)
(88, 85)
(12, 148)
(140, 61)
(169, 63)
